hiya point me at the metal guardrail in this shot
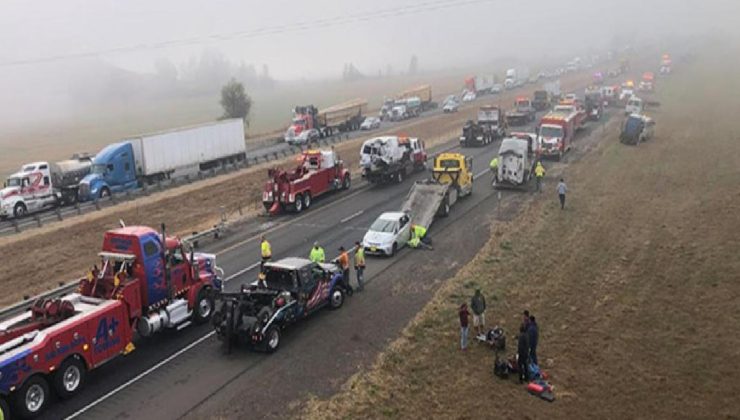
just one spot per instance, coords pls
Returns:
(39, 219)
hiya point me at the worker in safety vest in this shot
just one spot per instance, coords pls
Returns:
(266, 250)
(418, 233)
(494, 169)
(344, 263)
(317, 254)
(360, 265)
(539, 174)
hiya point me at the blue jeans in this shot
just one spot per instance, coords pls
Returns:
(463, 337)
(360, 271)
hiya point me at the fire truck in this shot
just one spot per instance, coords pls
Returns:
(146, 282)
(318, 172)
(555, 133)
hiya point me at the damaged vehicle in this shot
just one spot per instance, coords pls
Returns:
(292, 289)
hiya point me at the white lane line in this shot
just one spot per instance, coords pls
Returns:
(476, 176)
(141, 375)
(242, 271)
(351, 216)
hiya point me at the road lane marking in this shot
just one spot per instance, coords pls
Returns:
(141, 375)
(351, 216)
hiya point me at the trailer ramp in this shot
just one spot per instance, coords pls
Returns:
(424, 200)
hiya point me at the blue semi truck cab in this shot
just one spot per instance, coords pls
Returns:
(113, 171)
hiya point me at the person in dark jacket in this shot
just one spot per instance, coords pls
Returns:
(533, 334)
(523, 355)
(478, 305)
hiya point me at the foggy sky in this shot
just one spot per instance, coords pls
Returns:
(448, 36)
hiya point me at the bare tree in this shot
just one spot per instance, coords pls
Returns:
(235, 101)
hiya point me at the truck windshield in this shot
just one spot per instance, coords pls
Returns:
(13, 182)
(298, 122)
(550, 131)
(98, 168)
(383, 226)
(449, 163)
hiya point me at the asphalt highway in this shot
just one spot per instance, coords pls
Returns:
(177, 373)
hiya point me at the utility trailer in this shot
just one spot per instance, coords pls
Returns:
(144, 284)
(452, 178)
(391, 158)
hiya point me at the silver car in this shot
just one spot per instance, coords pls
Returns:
(370, 123)
(389, 233)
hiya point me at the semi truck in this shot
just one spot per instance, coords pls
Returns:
(40, 185)
(491, 118)
(390, 158)
(555, 134)
(452, 179)
(144, 284)
(418, 98)
(423, 93)
(517, 157)
(541, 100)
(150, 158)
(310, 123)
(522, 113)
(480, 84)
(516, 77)
(318, 172)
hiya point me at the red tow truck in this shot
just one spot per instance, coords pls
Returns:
(575, 107)
(317, 172)
(555, 133)
(144, 284)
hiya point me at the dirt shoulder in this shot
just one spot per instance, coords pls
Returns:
(634, 285)
(41, 258)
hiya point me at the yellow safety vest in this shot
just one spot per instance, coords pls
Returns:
(317, 255)
(419, 231)
(539, 171)
(266, 250)
(494, 163)
(360, 257)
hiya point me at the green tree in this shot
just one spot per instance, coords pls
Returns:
(235, 101)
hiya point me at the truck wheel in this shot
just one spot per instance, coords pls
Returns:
(307, 200)
(20, 210)
(33, 397)
(104, 193)
(271, 340)
(203, 306)
(298, 203)
(336, 300)
(70, 378)
(346, 182)
(4, 410)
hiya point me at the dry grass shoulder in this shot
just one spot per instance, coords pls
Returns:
(634, 285)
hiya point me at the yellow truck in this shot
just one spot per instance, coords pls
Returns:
(452, 179)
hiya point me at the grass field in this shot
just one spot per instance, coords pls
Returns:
(635, 285)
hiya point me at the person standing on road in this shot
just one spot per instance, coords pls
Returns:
(360, 266)
(478, 305)
(539, 175)
(317, 253)
(562, 189)
(344, 263)
(266, 251)
(464, 318)
(522, 359)
(533, 333)
(494, 169)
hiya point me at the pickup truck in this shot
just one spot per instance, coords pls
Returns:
(293, 289)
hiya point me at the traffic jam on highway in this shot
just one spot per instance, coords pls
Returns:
(146, 282)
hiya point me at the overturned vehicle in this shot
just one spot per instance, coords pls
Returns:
(292, 289)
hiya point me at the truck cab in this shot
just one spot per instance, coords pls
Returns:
(634, 106)
(27, 190)
(304, 126)
(517, 156)
(113, 170)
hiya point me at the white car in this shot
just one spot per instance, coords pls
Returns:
(370, 123)
(497, 88)
(450, 106)
(389, 233)
(469, 97)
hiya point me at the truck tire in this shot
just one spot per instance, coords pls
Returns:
(336, 300)
(271, 340)
(20, 210)
(346, 182)
(4, 410)
(104, 193)
(298, 206)
(33, 397)
(70, 378)
(306, 200)
(203, 306)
